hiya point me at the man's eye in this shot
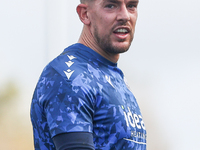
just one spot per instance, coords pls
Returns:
(110, 6)
(131, 6)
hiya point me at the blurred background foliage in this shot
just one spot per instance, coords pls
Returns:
(15, 129)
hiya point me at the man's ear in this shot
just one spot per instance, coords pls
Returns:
(83, 13)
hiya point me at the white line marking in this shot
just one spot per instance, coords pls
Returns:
(135, 141)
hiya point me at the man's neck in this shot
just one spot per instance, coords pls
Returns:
(87, 39)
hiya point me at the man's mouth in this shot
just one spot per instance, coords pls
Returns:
(121, 31)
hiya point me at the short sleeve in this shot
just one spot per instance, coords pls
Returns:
(68, 108)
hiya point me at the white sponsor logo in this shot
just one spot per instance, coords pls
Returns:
(135, 141)
(138, 135)
(133, 120)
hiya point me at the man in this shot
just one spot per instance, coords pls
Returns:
(81, 101)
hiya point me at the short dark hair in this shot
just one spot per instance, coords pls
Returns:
(84, 1)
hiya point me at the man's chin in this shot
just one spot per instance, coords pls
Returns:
(122, 47)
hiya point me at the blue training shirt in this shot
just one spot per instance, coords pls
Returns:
(81, 91)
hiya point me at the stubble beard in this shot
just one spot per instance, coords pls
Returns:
(105, 43)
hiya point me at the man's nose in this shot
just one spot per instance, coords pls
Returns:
(123, 14)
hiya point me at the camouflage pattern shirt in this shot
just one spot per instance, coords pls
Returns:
(81, 91)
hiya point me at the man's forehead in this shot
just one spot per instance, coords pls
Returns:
(118, 0)
(101, 2)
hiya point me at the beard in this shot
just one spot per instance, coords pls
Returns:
(105, 43)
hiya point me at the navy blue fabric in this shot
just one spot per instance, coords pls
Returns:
(74, 141)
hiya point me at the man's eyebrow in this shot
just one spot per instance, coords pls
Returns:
(134, 1)
(113, 1)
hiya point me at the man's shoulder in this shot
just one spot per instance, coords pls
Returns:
(67, 64)
(79, 62)
(73, 62)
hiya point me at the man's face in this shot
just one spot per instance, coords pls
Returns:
(113, 24)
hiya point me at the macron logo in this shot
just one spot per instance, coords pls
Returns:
(109, 80)
(69, 63)
(71, 57)
(68, 73)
